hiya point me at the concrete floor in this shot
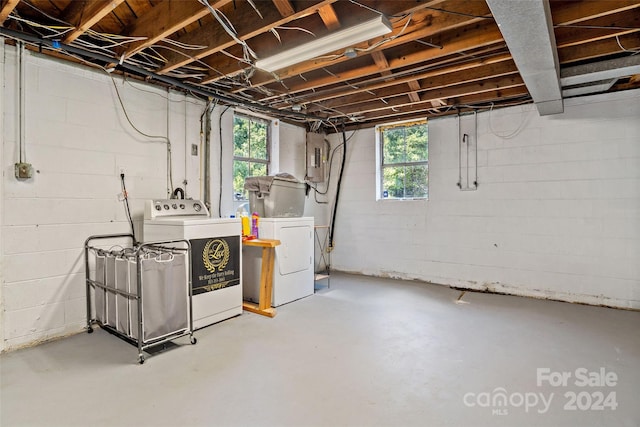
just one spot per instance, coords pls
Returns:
(367, 352)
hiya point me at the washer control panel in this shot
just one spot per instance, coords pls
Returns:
(162, 208)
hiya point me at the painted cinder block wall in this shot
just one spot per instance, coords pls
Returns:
(556, 214)
(78, 139)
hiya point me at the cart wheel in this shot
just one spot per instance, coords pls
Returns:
(194, 340)
(141, 359)
(89, 330)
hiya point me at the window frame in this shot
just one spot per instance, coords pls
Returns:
(250, 160)
(380, 164)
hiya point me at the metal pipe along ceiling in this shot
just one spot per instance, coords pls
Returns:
(527, 29)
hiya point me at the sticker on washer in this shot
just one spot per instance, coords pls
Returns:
(215, 263)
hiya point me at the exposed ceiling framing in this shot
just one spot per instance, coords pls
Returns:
(442, 57)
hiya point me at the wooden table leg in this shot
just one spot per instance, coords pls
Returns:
(266, 279)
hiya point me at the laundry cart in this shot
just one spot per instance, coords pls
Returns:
(141, 293)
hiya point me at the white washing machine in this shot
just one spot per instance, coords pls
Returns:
(293, 265)
(216, 254)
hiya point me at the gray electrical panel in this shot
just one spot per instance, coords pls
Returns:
(316, 157)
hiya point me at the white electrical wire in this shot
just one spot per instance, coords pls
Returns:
(388, 39)
(45, 14)
(184, 45)
(521, 126)
(623, 48)
(304, 30)
(228, 27)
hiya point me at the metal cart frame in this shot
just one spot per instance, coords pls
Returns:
(139, 250)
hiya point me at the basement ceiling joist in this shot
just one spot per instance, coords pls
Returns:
(442, 57)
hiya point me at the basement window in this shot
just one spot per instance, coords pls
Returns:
(251, 148)
(402, 153)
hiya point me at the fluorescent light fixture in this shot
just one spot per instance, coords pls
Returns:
(339, 40)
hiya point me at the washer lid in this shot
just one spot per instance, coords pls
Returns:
(190, 220)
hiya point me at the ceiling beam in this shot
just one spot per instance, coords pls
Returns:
(567, 13)
(601, 48)
(85, 14)
(425, 23)
(7, 8)
(216, 38)
(437, 69)
(478, 75)
(165, 19)
(427, 96)
(329, 17)
(436, 66)
(415, 88)
(444, 22)
(381, 62)
(528, 30)
(599, 29)
(284, 7)
(454, 106)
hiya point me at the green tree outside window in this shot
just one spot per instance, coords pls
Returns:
(404, 161)
(251, 141)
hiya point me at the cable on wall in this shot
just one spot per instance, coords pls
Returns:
(520, 127)
(205, 137)
(220, 165)
(22, 104)
(335, 205)
(127, 210)
(165, 139)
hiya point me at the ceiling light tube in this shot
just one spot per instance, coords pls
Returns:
(339, 40)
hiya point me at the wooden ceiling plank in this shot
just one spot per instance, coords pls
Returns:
(415, 88)
(578, 11)
(7, 8)
(165, 19)
(601, 48)
(439, 66)
(433, 21)
(601, 28)
(447, 22)
(424, 109)
(480, 37)
(329, 17)
(501, 83)
(284, 7)
(381, 62)
(85, 14)
(478, 75)
(363, 86)
(214, 36)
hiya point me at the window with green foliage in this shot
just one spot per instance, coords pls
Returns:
(251, 146)
(403, 160)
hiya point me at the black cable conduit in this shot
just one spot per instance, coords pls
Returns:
(335, 205)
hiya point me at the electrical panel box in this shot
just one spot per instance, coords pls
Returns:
(316, 157)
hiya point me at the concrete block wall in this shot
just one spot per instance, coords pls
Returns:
(78, 139)
(556, 214)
